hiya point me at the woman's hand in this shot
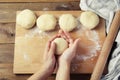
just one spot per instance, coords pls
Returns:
(64, 60)
(49, 57)
(70, 52)
(49, 62)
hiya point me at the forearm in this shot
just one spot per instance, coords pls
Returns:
(63, 72)
(40, 75)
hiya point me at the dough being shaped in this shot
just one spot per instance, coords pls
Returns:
(61, 45)
(67, 22)
(46, 22)
(89, 19)
(26, 19)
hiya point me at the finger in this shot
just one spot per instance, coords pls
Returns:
(47, 46)
(46, 49)
(52, 48)
(60, 31)
(56, 67)
(75, 44)
(53, 38)
(67, 37)
(67, 34)
(63, 36)
(70, 42)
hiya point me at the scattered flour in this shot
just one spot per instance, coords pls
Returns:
(36, 32)
(93, 49)
(91, 35)
(26, 57)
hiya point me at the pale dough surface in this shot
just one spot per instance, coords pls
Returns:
(46, 22)
(67, 22)
(89, 19)
(26, 19)
(61, 45)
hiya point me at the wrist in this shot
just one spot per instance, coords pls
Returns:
(39, 75)
(45, 71)
(64, 64)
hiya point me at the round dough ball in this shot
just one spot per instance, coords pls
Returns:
(26, 19)
(46, 22)
(61, 45)
(67, 22)
(89, 19)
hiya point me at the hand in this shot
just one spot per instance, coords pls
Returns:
(49, 65)
(64, 60)
(70, 52)
(49, 57)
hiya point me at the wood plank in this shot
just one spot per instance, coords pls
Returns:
(39, 6)
(7, 32)
(38, 0)
(6, 73)
(6, 53)
(8, 10)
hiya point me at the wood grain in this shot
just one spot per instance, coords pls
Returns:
(7, 32)
(6, 53)
(39, 0)
(6, 73)
(8, 10)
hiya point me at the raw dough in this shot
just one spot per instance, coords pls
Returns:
(61, 45)
(89, 19)
(46, 22)
(26, 19)
(67, 22)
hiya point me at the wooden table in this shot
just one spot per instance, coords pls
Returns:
(7, 34)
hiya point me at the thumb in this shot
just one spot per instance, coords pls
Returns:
(52, 48)
(75, 44)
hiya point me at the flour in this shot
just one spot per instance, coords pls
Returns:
(91, 35)
(92, 49)
(26, 58)
(75, 67)
(36, 32)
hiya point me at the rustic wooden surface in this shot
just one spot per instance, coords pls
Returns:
(38, 0)
(7, 35)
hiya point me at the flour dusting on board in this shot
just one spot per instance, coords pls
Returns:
(92, 48)
(36, 32)
(26, 57)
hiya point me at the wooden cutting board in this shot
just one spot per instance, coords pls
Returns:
(30, 44)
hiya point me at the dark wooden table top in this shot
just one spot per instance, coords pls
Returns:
(7, 34)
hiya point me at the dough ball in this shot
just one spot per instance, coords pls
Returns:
(46, 22)
(67, 22)
(26, 19)
(89, 19)
(61, 45)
